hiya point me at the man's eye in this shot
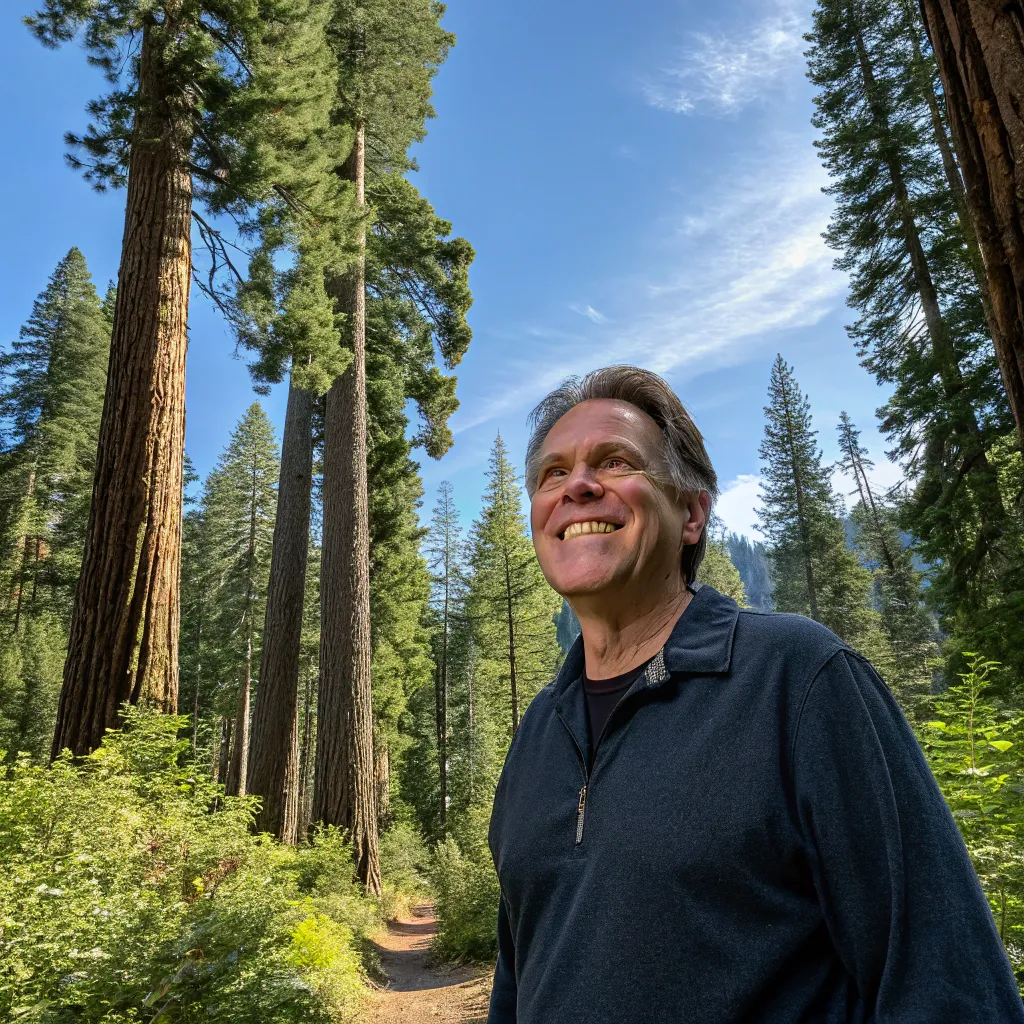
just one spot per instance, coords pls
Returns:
(615, 464)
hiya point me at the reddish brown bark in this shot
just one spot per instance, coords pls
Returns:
(979, 46)
(274, 752)
(124, 625)
(343, 788)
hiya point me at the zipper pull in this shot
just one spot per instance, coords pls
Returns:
(579, 815)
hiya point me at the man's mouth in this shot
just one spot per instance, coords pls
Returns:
(593, 526)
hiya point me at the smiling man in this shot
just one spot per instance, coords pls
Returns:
(712, 815)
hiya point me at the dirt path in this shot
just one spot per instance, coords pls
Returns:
(419, 991)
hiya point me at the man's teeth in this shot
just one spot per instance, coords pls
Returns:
(576, 529)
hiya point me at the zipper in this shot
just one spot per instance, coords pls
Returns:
(580, 812)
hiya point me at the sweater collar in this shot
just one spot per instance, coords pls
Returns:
(700, 642)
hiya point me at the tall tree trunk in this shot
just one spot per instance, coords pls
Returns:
(239, 774)
(124, 625)
(471, 723)
(979, 47)
(343, 792)
(382, 782)
(305, 773)
(274, 754)
(975, 458)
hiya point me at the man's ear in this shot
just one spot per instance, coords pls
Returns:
(697, 506)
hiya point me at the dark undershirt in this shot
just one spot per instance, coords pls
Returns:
(602, 696)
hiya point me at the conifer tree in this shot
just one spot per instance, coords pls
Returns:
(908, 626)
(388, 53)
(444, 551)
(510, 603)
(813, 572)
(201, 113)
(922, 326)
(980, 52)
(50, 396)
(718, 570)
(239, 503)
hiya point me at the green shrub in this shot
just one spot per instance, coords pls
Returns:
(126, 896)
(405, 861)
(466, 894)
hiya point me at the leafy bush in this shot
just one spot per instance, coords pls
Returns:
(405, 861)
(975, 750)
(131, 889)
(466, 894)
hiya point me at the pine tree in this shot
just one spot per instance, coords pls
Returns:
(239, 504)
(200, 115)
(444, 551)
(813, 571)
(980, 51)
(908, 626)
(509, 601)
(717, 568)
(388, 54)
(51, 396)
(922, 326)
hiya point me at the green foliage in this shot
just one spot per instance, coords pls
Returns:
(127, 898)
(919, 290)
(226, 546)
(51, 396)
(813, 572)
(718, 570)
(466, 901)
(975, 747)
(909, 627)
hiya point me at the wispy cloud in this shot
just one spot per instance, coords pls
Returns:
(723, 72)
(749, 263)
(725, 276)
(593, 315)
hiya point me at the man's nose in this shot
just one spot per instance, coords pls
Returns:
(582, 484)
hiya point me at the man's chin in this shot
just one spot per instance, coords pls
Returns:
(584, 584)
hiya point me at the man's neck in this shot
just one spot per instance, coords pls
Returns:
(615, 643)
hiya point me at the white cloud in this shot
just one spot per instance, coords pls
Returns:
(593, 315)
(745, 263)
(737, 503)
(749, 263)
(724, 72)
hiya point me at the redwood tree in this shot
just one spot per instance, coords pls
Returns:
(388, 52)
(186, 119)
(979, 46)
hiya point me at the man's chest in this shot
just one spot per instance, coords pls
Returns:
(683, 796)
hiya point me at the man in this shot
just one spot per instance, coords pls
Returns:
(712, 815)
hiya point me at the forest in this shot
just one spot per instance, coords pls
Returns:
(249, 719)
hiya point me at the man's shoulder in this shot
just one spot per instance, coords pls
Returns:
(794, 640)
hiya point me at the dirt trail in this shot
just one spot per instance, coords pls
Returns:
(420, 991)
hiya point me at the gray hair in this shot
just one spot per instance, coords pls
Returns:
(687, 468)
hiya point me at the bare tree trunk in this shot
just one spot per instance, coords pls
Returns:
(979, 47)
(344, 780)
(382, 776)
(124, 625)
(305, 768)
(273, 757)
(239, 764)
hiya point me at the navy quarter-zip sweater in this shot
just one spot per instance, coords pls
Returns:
(759, 839)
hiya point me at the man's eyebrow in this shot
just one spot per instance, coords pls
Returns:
(598, 451)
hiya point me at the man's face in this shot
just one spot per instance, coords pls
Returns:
(600, 521)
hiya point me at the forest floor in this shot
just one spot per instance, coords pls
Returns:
(420, 990)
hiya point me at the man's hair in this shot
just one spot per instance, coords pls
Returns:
(687, 468)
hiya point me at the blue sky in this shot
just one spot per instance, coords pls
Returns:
(638, 181)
